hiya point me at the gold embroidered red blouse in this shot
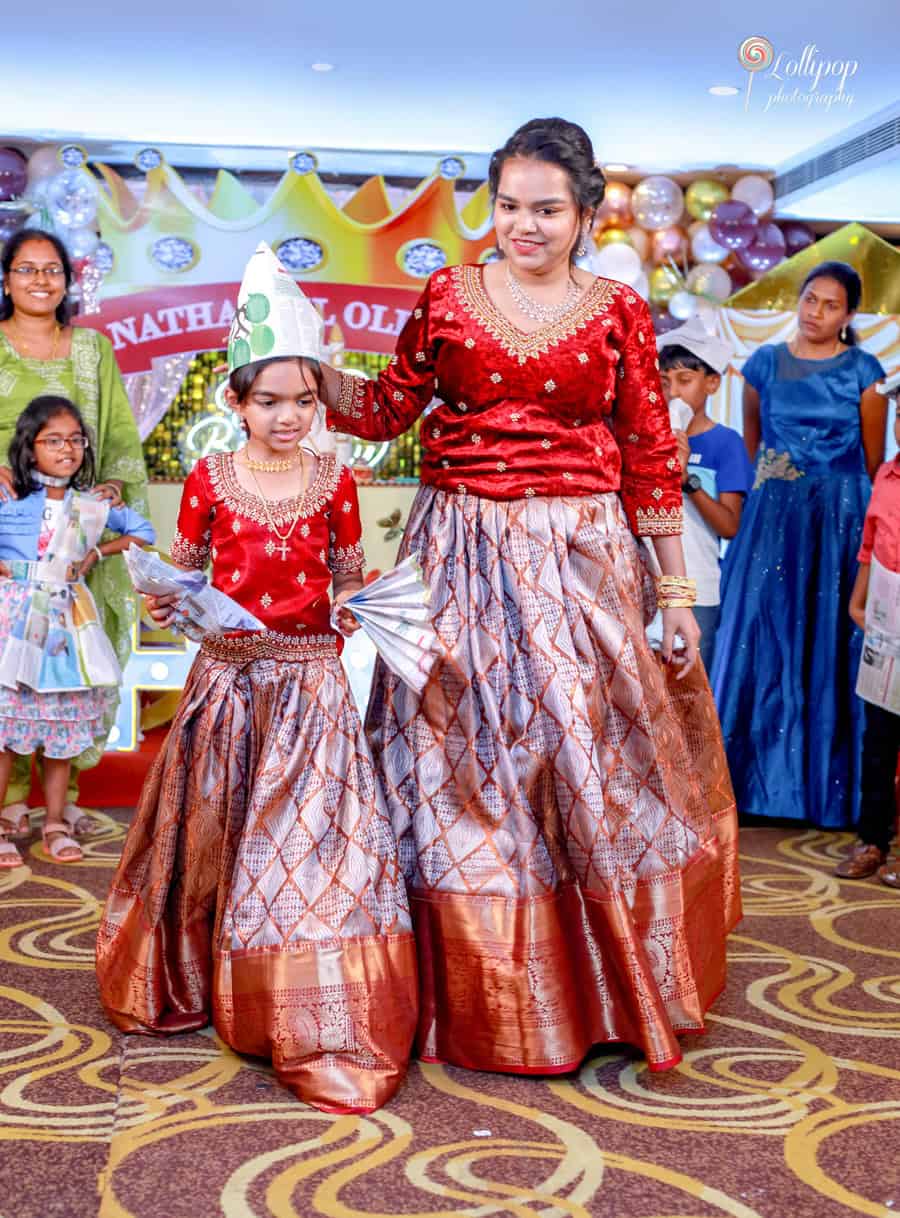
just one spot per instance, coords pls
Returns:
(286, 584)
(575, 408)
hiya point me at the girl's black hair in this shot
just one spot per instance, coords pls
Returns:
(12, 247)
(558, 142)
(673, 356)
(33, 419)
(242, 380)
(849, 281)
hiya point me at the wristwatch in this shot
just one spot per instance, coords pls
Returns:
(691, 484)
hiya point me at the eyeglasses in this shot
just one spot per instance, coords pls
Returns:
(31, 272)
(57, 443)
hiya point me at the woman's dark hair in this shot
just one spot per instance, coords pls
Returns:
(12, 247)
(673, 356)
(242, 380)
(33, 419)
(558, 142)
(849, 280)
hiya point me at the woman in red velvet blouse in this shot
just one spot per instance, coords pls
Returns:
(564, 814)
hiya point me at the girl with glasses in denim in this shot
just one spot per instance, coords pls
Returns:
(58, 670)
(41, 353)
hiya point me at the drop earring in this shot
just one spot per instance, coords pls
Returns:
(582, 249)
(843, 334)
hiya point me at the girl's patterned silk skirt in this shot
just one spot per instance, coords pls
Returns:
(259, 885)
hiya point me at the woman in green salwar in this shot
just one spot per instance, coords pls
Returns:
(41, 353)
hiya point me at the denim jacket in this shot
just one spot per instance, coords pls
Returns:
(20, 525)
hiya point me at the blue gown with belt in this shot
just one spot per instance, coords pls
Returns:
(787, 652)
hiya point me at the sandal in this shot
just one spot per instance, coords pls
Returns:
(57, 841)
(78, 822)
(14, 821)
(9, 855)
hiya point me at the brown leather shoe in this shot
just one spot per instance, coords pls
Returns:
(890, 874)
(864, 860)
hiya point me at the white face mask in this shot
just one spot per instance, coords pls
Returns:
(680, 414)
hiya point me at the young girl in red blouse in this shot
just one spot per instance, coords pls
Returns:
(259, 885)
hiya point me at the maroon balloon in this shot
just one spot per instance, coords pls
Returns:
(740, 276)
(797, 236)
(732, 224)
(765, 250)
(663, 320)
(13, 174)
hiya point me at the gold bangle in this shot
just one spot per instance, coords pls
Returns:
(676, 604)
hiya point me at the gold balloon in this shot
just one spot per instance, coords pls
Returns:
(640, 239)
(612, 236)
(664, 283)
(703, 195)
(615, 210)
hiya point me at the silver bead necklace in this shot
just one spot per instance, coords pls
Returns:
(533, 309)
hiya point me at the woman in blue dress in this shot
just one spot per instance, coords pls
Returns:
(787, 652)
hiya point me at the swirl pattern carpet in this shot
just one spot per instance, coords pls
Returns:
(788, 1107)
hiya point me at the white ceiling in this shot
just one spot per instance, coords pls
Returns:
(450, 78)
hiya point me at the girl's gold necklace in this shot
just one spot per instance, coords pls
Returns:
(284, 538)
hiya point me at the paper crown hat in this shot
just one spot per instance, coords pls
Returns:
(694, 338)
(273, 319)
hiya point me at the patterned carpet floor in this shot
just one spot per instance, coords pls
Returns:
(788, 1107)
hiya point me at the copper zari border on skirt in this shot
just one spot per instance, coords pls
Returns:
(268, 645)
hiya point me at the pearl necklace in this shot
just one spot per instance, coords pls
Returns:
(533, 309)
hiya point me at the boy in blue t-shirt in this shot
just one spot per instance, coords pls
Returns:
(716, 472)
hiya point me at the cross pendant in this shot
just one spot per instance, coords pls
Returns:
(284, 550)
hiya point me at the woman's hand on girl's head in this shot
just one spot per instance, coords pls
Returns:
(680, 622)
(162, 608)
(110, 492)
(6, 484)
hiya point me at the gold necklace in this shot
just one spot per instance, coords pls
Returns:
(22, 347)
(272, 467)
(284, 538)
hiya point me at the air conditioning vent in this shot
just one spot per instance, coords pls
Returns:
(872, 143)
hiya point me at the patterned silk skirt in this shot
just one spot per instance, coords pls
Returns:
(562, 805)
(259, 886)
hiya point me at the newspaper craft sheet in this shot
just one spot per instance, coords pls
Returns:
(200, 608)
(394, 613)
(879, 669)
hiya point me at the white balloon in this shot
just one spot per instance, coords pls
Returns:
(81, 242)
(72, 198)
(657, 202)
(756, 192)
(641, 285)
(618, 261)
(707, 279)
(704, 248)
(683, 305)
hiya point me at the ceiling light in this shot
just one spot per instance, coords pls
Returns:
(616, 168)
(723, 90)
(326, 67)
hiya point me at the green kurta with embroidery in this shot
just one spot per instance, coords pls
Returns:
(91, 379)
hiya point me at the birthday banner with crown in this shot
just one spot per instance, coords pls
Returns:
(171, 264)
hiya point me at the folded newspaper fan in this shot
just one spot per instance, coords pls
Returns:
(200, 608)
(393, 611)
